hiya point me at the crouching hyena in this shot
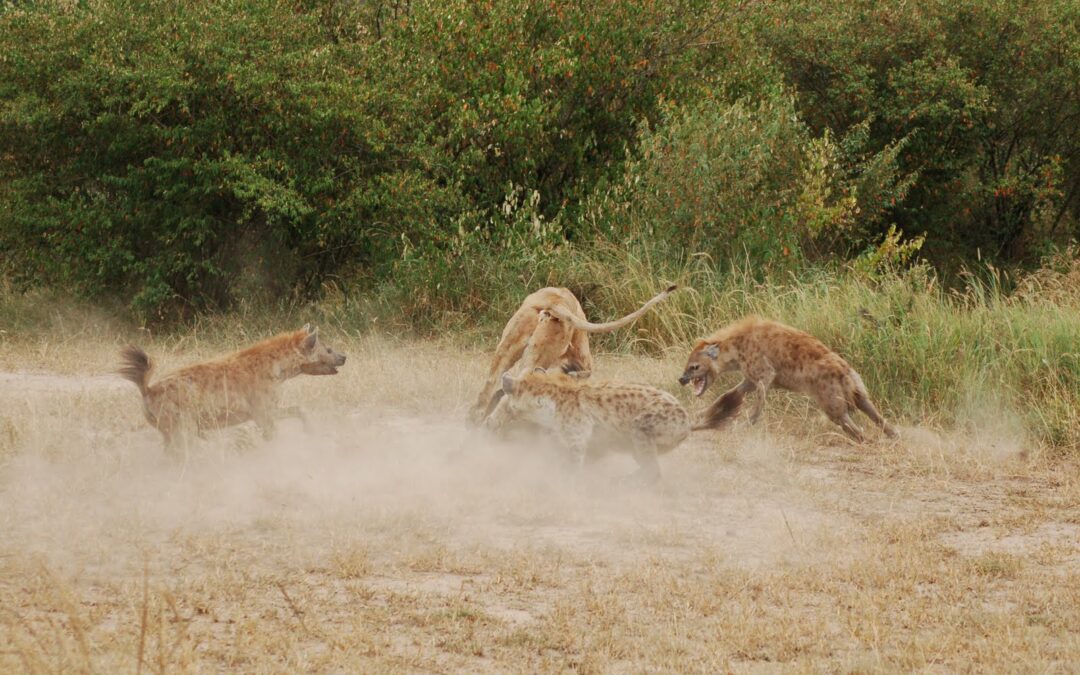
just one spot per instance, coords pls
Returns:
(649, 421)
(770, 353)
(229, 390)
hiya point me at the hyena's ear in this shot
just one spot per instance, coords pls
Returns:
(712, 351)
(538, 369)
(508, 384)
(309, 342)
(306, 328)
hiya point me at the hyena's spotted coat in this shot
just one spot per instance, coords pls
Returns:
(229, 390)
(648, 421)
(770, 353)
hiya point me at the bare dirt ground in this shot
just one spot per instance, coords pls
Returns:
(390, 538)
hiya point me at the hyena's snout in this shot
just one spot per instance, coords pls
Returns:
(327, 363)
(684, 380)
(331, 357)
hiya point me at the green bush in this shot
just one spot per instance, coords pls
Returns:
(984, 91)
(747, 181)
(187, 156)
(184, 155)
(164, 150)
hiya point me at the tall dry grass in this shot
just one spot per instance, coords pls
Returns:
(989, 350)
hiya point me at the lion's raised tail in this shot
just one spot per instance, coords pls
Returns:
(136, 366)
(589, 327)
(721, 410)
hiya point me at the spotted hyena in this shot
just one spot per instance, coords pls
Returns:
(647, 421)
(771, 353)
(229, 390)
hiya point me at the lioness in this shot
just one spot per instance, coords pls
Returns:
(548, 331)
(651, 422)
(229, 390)
(768, 353)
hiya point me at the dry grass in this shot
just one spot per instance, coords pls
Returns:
(391, 540)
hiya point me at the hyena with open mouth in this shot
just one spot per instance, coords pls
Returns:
(770, 353)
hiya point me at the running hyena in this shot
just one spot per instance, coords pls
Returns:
(229, 390)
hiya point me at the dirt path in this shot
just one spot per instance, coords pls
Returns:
(392, 540)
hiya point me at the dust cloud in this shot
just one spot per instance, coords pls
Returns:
(397, 487)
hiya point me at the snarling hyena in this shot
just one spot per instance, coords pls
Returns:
(771, 353)
(647, 421)
(229, 390)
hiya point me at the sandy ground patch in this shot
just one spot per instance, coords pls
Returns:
(393, 538)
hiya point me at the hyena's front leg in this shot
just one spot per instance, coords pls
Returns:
(263, 413)
(761, 373)
(297, 412)
(576, 439)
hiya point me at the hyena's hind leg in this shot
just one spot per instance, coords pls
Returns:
(837, 409)
(862, 402)
(648, 472)
(645, 449)
(843, 420)
(177, 443)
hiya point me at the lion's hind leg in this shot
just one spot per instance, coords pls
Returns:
(511, 347)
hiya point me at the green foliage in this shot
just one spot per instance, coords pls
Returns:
(185, 156)
(162, 150)
(985, 91)
(747, 181)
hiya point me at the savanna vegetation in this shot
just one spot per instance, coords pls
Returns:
(901, 178)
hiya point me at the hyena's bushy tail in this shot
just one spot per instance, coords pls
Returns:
(135, 365)
(721, 410)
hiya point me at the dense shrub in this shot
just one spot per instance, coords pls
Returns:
(986, 92)
(181, 156)
(747, 181)
(164, 149)
(186, 154)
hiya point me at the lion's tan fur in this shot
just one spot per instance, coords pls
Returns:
(229, 390)
(548, 331)
(643, 420)
(770, 353)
